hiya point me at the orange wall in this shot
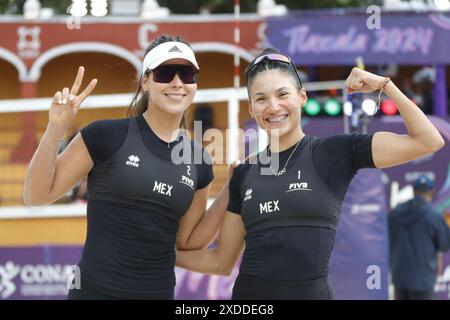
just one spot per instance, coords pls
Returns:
(9, 80)
(10, 121)
(20, 232)
(115, 75)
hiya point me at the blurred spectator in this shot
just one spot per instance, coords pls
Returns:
(417, 234)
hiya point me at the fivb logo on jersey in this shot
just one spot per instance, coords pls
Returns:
(298, 186)
(187, 181)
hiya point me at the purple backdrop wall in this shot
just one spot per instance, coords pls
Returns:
(337, 39)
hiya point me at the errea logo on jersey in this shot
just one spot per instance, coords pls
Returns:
(248, 194)
(133, 161)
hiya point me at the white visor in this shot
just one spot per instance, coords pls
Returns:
(166, 51)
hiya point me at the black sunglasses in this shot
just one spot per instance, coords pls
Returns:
(166, 72)
(274, 57)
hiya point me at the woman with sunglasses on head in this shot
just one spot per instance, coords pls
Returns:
(142, 202)
(285, 213)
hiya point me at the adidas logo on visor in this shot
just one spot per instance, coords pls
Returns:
(175, 49)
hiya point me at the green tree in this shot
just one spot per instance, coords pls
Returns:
(194, 6)
(16, 6)
(227, 6)
(7, 6)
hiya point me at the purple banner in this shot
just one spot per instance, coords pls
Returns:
(327, 39)
(199, 286)
(41, 272)
(45, 272)
(359, 263)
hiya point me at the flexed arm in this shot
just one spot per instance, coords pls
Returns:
(50, 176)
(390, 149)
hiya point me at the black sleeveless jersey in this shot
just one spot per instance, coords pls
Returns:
(135, 201)
(291, 219)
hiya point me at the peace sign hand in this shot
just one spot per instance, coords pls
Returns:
(65, 103)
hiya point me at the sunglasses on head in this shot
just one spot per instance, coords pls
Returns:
(274, 57)
(166, 72)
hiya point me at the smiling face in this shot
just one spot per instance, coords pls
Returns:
(276, 101)
(174, 97)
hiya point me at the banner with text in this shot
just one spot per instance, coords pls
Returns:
(327, 39)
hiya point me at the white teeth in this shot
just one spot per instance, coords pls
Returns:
(175, 96)
(277, 119)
